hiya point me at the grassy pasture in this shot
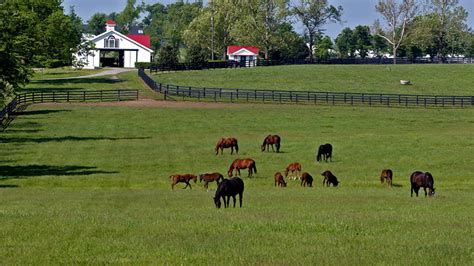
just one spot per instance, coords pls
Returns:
(426, 79)
(89, 184)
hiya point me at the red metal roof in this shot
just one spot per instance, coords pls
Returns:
(141, 39)
(234, 48)
(110, 22)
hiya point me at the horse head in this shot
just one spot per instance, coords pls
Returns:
(217, 201)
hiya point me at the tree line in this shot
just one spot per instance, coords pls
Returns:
(42, 34)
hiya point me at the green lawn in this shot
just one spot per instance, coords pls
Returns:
(63, 72)
(426, 79)
(89, 184)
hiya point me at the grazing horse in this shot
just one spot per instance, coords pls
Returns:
(270, 140)
(425, 180)
(279, 181)
(329, 178)
(175, 179)
(227, 143)
(229, 188)
(294, 168)
(306, 179)
(387, 174)
(242, 164)
(325, 151)
(210, 178)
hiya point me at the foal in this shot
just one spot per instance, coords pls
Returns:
(279, 181)
(387, 175)
(211, 178)
(294, 168)
(175, 179)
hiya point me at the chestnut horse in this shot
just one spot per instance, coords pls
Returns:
(294, 168)
(227, 143)
(386, 174)
(424, 180)
(175, 179)
(279, 181)
(242, 164)
(210, 178)
(270, 140)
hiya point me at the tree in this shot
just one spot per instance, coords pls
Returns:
(345, 43)
(259, 25)
(96, 24)
(167, 55)
(379, 46)
(324, 48)
(291, 47)
(314, 14)
(362, 40)
(397, 17)
(128, 17)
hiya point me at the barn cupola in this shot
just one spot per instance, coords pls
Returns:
(110, 25)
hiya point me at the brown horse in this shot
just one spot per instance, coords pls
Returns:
(387, 175)
(270, 140)
(294, 168)
(175, 179)
(210, 178)
(227, 143)
(425, 180)
(242, 164)
(329, 178)
(306, 179)
(279, 181)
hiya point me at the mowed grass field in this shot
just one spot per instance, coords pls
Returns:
(89, 184)
(426, 79)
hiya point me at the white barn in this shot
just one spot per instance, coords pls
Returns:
(114, 49)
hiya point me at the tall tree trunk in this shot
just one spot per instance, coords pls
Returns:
(395, 55)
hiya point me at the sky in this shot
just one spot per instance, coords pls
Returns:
(356, 12)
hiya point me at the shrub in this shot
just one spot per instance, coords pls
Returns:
(144, 65)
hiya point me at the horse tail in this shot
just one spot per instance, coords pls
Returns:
(254, 166)
(236, 146)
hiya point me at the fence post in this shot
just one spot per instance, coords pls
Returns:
(67, 96)
(166, 94)
(101, 95)
(84, 96)
(215, 96)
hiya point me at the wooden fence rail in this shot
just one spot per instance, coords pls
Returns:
(306, 97)
(7, 114)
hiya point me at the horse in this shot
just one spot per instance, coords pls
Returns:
(279, 181)
(227, 143)
(270, 140)
(229, 188)
(242, 164)
(325, 151)
(425, 180)
(329, 178)
(306, 179)
(175, 179)
(293, 168)
(386, 174)
(210, 178)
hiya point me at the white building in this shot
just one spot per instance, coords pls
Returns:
(114, 49)
(247, 54)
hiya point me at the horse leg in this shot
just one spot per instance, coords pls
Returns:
(206, 185)
(233, 198)
(240, 199)
(424, 188)
(228, 201)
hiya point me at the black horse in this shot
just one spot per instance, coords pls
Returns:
(325, 151)
(229, 188)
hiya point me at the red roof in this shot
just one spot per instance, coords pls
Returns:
(141, 39)
(110, 22)
(234, 48)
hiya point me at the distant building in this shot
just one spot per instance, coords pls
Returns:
(114, 49)
(247, 54)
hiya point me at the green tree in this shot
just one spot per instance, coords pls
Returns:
(362, 40)
(167, 55)
(379, 46)
(96, 24)
(291, 47)
(324, 48)
(345, 43)
(314, 14)
(128, 17)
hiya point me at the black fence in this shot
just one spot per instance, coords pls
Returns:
(263, 62)
(8, 113)
(305, 97)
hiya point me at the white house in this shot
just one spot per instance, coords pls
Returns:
(114, 49)
(246, 54)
